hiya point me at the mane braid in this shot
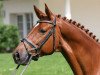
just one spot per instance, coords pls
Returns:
(81, 27)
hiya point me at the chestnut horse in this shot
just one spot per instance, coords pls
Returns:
(78, 46)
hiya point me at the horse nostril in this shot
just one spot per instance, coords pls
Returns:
(17, 56)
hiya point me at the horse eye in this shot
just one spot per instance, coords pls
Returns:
(42, 31)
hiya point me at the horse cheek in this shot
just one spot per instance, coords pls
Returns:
(48, 46)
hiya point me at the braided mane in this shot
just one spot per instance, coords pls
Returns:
(79, 26)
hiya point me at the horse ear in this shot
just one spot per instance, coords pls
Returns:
(49, 13)
(39, 13)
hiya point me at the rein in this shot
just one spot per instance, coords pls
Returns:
(37, 49)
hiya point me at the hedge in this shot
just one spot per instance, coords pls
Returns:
(9, 38)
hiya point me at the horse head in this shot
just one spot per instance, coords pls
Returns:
(43, 39)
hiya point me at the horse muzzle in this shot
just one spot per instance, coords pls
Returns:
(21, 58)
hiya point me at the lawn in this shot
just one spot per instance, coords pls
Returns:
(48, 65)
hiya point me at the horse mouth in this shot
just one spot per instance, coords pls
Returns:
(35, 58)
(24, 60)
(21, 60)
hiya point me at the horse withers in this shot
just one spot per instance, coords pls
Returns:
(79, 47)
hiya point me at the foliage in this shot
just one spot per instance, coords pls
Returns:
(8, 37)
(48, 65)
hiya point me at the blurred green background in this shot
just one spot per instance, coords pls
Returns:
(48, 65)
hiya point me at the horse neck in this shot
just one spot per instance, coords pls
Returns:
(77, 48)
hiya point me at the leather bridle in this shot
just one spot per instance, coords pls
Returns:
(33, 46)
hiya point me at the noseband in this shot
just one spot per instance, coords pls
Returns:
(37, 49)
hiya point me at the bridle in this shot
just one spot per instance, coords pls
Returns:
(34, 47)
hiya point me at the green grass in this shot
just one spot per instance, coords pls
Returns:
(48, 65)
